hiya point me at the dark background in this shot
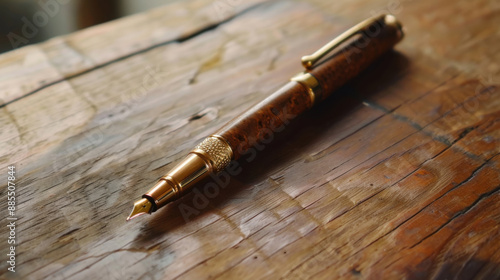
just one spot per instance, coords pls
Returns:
(58, 17)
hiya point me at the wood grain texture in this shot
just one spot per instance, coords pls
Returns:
(396, 176)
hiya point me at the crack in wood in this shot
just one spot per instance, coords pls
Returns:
(468, 179)
(459, 213)
(181, 39)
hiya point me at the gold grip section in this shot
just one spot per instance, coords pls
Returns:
(216, 151)
(211, 155)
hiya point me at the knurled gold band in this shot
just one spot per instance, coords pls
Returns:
(216, 151)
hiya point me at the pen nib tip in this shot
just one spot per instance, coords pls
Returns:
(141, 207)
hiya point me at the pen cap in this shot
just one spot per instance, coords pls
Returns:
(376, 37)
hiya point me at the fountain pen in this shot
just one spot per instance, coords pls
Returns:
(350, 53)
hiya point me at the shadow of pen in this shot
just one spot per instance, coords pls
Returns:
(301, 132)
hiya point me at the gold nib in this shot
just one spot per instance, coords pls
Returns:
(141, 207)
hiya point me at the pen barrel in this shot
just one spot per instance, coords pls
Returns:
(258, 125)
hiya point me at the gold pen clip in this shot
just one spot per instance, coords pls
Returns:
(309, 61)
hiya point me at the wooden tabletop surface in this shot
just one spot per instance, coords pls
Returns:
(397, 176)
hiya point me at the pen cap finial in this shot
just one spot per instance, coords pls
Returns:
(391, 20)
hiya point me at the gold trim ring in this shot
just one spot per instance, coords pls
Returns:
(311, 84)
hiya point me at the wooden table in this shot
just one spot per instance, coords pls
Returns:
(395, 177)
